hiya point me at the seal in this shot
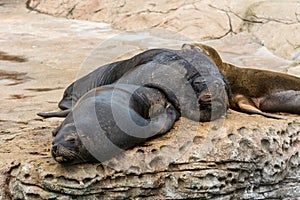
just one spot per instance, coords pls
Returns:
(110, 119)
(256, 91)
(188, 78)
(191, 82)
(154, 92)
(104, 75)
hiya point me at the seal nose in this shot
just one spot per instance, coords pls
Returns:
(214, 92)
(54, 151)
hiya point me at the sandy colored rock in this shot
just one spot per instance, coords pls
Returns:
(195, 19)
(241, 159)
(283, 41)
(237, 157)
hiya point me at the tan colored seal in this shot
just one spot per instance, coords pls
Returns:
(256, 91)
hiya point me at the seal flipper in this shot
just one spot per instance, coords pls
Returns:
(282, 101)
(155, 110)
(166, 122)
(55, 131)
(62, 113)
(247, 106)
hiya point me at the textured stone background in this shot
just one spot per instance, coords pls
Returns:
(275, 23)
(238, 157)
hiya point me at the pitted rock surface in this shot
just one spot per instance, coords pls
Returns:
(237, 157)
(242, 159)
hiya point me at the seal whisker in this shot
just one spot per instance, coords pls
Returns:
(65, 152)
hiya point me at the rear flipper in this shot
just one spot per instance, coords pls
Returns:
(246, 105)
(62, 113)
(283, 101)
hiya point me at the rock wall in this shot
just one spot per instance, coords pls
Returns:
(276, 23)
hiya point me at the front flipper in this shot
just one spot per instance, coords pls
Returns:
(165, 122)
(246, 105)
(154, 110)
(62, 113)
(283, 101)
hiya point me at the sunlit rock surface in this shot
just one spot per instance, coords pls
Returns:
(237, 157)
(275, 23)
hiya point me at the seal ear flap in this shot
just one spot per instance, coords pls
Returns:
(186, 46)
(248, 106)
(195, 46)
(207, 50)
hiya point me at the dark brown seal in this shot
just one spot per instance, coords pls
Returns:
(189, 79)
(110, 119)
(256, 91)
(155, 93)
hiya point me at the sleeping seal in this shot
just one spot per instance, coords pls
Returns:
(256, 91)
(182, 75)
(143, 102)
(110, 119)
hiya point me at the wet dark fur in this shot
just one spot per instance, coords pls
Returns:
(92, 132)
(185, 80)
(195, 63)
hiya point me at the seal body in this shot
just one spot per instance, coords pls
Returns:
(147, 96)
(103, 75)
(189, 79)
(110, 119)
(256, 91)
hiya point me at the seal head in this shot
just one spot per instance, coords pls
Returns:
(212, 97)
(68, 148)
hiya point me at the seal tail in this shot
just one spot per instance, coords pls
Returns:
(62, 113)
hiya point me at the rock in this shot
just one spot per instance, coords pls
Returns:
(198, 20)
(284, 41)
(237, 157)
(240, 159)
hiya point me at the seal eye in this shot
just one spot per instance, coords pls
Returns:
(71, 138)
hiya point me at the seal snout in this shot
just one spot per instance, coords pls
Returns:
(55, 153)
(215, 91)
(62, 154)
(54, 150)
